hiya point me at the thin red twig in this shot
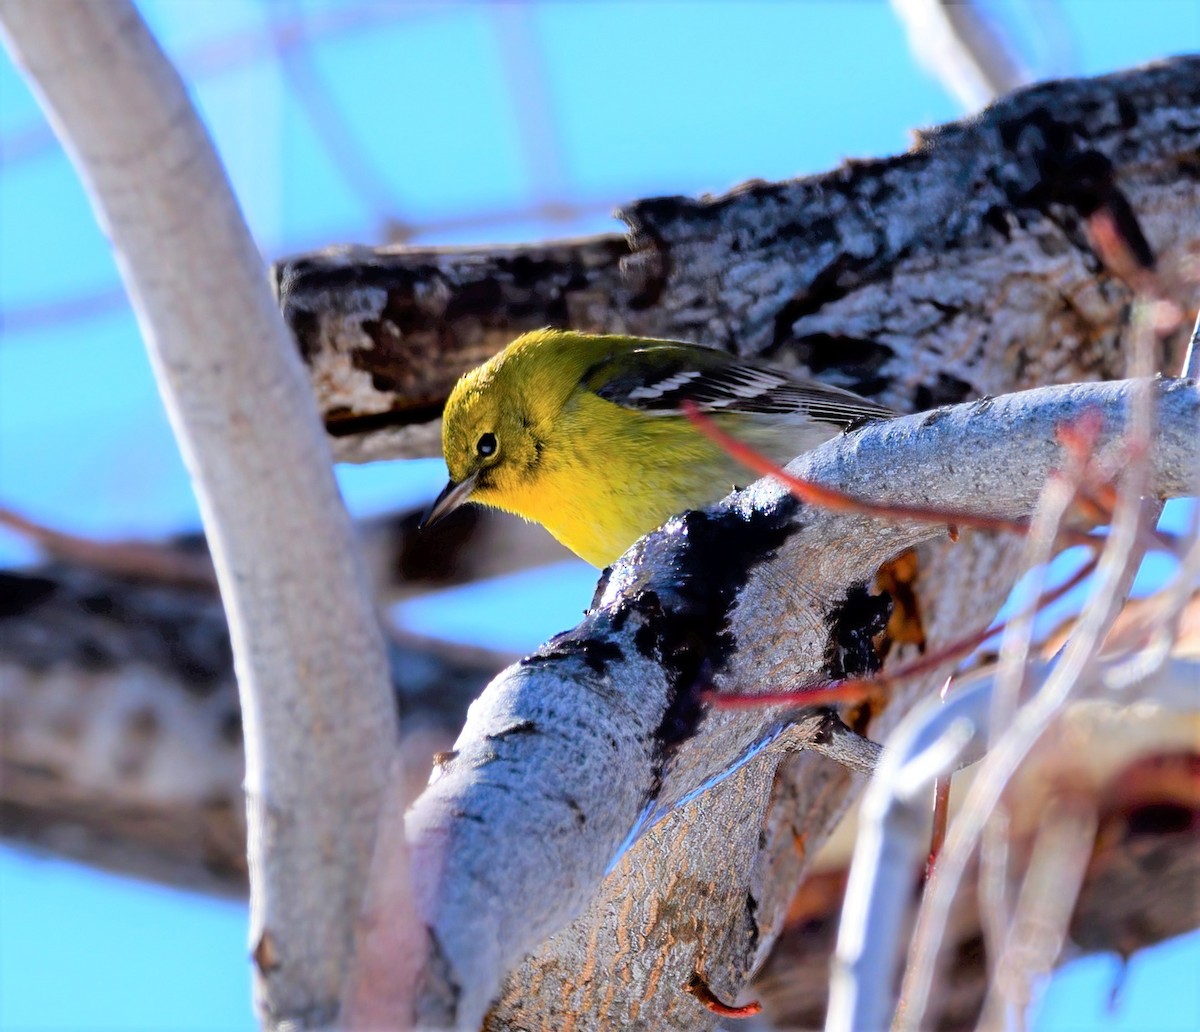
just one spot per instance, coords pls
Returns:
(941, 816)
(853, 691)
(696, 986)
(839, 501)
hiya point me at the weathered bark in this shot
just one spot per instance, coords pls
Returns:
(614, 703)
(961, 268)
(121, 730)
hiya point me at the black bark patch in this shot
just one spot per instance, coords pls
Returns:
(20, 593)
(857, 359)
(1163, 819)
(855, 624)
(945, 390)
(597, 653)
(686, 627)
(647, 266)
(577, 810)
(340, 425)
(831, 284)
(1051, 167)
(306, 328)
(752, 921)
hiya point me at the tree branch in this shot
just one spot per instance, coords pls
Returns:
(965, 267)
(123, 731)
(603, 730)
(310, 658)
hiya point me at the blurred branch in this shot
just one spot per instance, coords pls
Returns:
(128, 639)
(294, 49)
(966, 267)
(320, 730)
(123, 732)
(1138, 888)
(963, 48)
(1075, 673)
(531, 97)
(84, 307)
(135, 559)
(937, 737)
(232, 51)
(892, 843)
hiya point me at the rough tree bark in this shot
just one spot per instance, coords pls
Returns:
(959, 269)
(963, 268)
(528, 822)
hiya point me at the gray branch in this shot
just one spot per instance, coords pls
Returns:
(577, 766)
(959, 269)
(123, 731)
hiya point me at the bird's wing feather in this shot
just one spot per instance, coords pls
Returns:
(658, 378)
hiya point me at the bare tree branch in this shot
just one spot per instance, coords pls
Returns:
(1139, 888)
(960, 269)
(122, 740)
(621, 690)
(320, 729)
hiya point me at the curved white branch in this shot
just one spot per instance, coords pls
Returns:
(319, 722)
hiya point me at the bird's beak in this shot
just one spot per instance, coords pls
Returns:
(453, 495)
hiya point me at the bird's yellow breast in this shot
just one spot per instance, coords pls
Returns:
(609, 475)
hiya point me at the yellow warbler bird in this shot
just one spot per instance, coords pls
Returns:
(584, 433)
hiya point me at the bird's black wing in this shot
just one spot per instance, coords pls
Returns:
(659, 378)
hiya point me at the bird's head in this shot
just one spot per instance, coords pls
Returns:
(498, 416)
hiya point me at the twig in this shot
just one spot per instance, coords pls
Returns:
(1061, 851)
(1118, 565)
(135, 559)
(840, 501)
(1015, 648)
(929, 742)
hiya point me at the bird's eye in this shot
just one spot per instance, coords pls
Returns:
(486, 446)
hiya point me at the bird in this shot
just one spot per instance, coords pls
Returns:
(585, 433)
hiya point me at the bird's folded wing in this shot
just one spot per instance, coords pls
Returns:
(659, 378)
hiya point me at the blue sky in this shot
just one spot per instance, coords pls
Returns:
(440, 113)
